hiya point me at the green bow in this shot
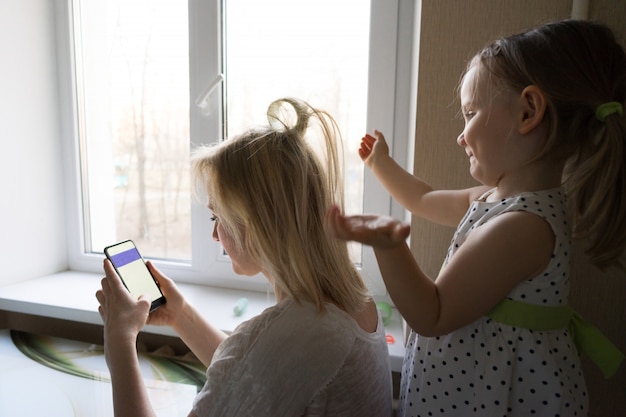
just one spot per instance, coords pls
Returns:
(588, 338)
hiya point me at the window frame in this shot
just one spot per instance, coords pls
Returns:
(391, 109)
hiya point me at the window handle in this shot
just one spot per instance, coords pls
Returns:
(203, 99)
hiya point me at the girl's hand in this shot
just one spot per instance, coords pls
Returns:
(122, 315)
(373, 148)
(381, 232)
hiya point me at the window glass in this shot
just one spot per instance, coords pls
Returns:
(142, 82)
(133, 102)
(316, 50)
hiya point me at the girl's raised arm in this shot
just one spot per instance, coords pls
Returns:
(492, 261)
(445, 207)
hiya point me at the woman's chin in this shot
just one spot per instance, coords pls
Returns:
(247, 272)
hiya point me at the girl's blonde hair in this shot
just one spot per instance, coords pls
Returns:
(579, 66)
(271, 192)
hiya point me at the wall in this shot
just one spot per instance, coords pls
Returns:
(32, 237)
(451, 31)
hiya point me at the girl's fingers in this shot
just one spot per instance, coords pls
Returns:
(379, 231)
(400, 232)
(365, 150)
(329, 221)
(368, 140)
(335, 224)
(379, 136)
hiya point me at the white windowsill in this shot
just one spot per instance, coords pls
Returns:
(70, 296)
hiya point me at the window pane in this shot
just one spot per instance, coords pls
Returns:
(316, 50)
(133, 95)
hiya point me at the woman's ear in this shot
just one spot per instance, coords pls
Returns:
(533, 109)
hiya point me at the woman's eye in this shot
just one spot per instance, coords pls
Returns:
(213, 218)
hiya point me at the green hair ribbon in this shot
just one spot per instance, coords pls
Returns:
(608, 109)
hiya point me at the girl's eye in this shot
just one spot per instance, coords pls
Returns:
(468, 115)
(213, 218)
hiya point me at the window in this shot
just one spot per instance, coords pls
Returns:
(145, 81)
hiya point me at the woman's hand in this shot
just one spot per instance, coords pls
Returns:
(172, 310)
(123, 318)
(381, 232)
(372, 148)
(122, 315)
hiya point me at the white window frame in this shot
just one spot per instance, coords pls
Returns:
(391, 109)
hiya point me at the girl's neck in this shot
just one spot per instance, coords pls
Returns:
(537, 176)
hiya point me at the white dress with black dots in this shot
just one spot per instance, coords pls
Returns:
(492, 369)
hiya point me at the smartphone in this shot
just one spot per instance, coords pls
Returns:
(134, 272)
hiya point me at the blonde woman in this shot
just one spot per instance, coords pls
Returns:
(321, 350)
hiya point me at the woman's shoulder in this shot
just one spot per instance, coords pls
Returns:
(293, 323)
(298, 338)
(297, 319)
(292, 348)
(289, 311)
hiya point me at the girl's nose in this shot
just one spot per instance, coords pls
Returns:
(461, 139)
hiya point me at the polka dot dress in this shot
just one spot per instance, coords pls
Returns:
(491, 369)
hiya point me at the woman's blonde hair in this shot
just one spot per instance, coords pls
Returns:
(271, 192)
(579, 66)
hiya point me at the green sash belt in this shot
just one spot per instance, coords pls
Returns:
(588, 339)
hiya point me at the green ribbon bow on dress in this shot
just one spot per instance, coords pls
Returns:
(588, 338)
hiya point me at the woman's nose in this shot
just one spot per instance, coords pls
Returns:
(215, 235)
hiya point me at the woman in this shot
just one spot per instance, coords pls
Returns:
(321, 350)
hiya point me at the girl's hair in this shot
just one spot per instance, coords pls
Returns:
(578, 65)
(271, 192)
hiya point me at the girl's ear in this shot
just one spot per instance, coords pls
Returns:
(533, 108)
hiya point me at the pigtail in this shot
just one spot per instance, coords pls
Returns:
(595, 179)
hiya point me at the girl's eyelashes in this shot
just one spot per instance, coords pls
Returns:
(467, 111)
(468, 114)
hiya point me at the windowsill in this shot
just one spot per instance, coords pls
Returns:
(70, 296)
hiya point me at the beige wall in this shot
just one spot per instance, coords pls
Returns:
(451, 31)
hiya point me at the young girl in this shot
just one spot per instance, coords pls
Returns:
(321, 350)
(490, 336)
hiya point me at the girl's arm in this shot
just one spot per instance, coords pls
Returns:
(197, 333)
(446, 207)
(490, 263)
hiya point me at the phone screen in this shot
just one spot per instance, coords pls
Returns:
(134, 272)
